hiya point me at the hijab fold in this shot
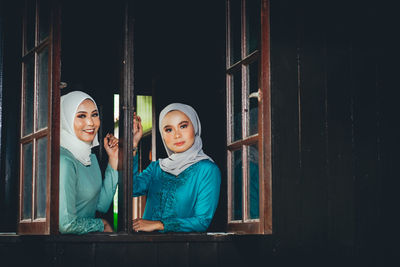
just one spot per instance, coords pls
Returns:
(68, 139)
(178, 162)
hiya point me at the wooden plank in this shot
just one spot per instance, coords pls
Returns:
(366, 134)
(126, 113)
(340, 136)
(286, 197)
(112, 254)
(230, 255)
(76, 254)
(141, 254)
(9, 254)
(389, 132)
(203, 254)
(173, 254)
(312, 108)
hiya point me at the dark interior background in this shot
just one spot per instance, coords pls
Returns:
(179, 55)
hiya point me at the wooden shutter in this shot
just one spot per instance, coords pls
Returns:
(248, 120)
(39, 136)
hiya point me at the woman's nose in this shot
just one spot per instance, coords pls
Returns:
(89, 121)
(177, 134)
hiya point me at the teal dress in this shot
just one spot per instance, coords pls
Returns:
(82, 192)
(183, 203)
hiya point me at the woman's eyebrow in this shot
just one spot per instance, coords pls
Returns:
(81, 111)
(183, 122)
(95, 111)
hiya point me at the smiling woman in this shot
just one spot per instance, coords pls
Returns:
(87, 121)
(82, 189)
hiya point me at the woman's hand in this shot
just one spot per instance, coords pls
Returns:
(111, 147)
(107, 227)
(147, 225)
(137, 130)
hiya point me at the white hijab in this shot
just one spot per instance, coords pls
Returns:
(68, 139)
(178, 162)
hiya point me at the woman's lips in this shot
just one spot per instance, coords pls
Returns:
(179, 143)
(89, 131)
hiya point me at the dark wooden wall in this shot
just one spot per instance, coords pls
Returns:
(331, 126)
(10, 72)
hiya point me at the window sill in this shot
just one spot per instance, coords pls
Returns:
(134, 237)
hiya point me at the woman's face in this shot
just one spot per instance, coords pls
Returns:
(177, 131)
(86, 121)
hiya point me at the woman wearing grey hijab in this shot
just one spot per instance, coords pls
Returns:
(183, 189)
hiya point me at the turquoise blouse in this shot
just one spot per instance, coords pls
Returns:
(183, 203)
(82, 192)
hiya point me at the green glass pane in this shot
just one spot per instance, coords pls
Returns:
(44, 19)
(27, 181)
(236, 101)
(253, 25)
(30, 24)
(253, 181)
(29, 95)
(41, 178)
(43, 59)
(235, 30)
(253, 102)
(237, 185)
(144, 110)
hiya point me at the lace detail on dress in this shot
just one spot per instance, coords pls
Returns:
(165, 209)
(85, 225)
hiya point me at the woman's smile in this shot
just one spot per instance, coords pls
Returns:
(89, 131)
(87, 121)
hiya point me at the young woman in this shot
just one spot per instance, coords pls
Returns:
(82, 189)
(182, 190)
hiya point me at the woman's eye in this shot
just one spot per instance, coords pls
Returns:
(81, 116)
(95, 114)
(183, 126)
(168, 130)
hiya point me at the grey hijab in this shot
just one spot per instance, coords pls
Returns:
(178, 162)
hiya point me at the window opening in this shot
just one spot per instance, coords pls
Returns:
(144, 109)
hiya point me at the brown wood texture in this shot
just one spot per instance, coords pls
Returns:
(126, 111)
(265, 124)
(263, 137)
(53, 189)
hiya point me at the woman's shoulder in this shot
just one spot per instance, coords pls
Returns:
(207, 165)
(65, 154)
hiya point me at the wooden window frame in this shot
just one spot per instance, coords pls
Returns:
(49, 224)
(263, 225)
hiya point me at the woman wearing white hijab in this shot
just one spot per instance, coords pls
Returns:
(82, 189)
(183, 189)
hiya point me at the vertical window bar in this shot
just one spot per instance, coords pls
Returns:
(228, 34)
(243, 29)
(244, 183)
(228, 107)
(244, 112)
(34, 169)
(229, 160)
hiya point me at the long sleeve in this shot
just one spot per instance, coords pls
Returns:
(108, 189)
(141, 181)
(68, 220)
(205, 206)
